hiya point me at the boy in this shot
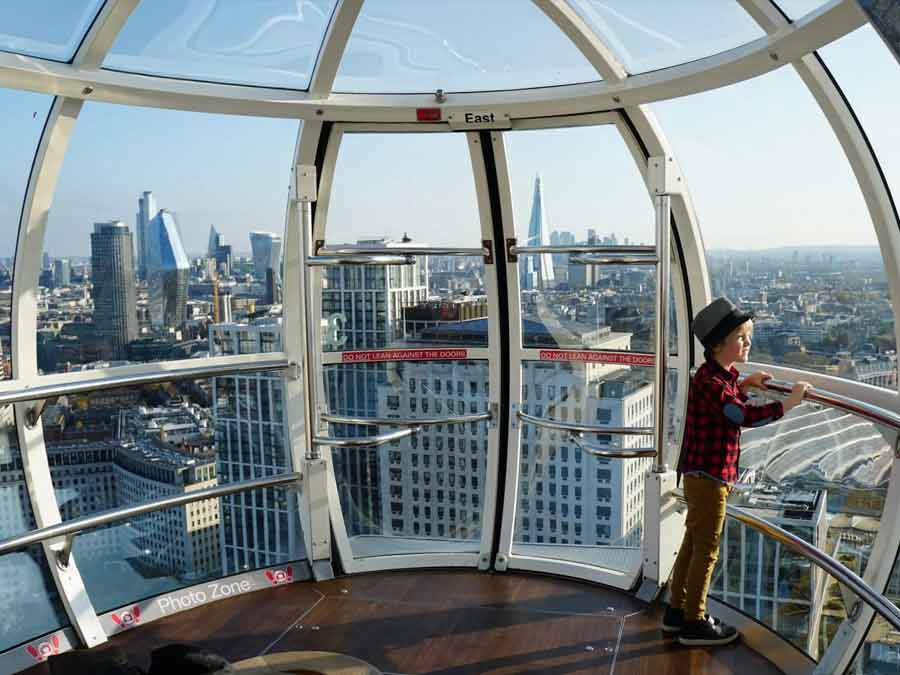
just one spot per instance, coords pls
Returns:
(710, 453)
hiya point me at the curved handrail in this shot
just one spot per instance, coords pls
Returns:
(859, 408)
(589, 259)
(365, 441)
(70, 528)
(401, 250)
(46, 391)
(822, 560)
(609, 451)
(584, 428)
(583, 248)
(375, 421)
(379, 260)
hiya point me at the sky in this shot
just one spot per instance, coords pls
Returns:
(762, 164)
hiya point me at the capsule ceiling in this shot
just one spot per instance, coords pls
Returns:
(396, 46)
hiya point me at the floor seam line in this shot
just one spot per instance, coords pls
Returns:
(612, 665)
(498, 609)
(300, 618)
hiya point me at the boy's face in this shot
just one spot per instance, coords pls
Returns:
(736, 347)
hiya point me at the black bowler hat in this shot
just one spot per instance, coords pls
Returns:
(715, 321)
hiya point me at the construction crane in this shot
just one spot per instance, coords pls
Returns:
(215, 290)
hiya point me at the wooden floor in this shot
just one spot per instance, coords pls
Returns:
(445, 623)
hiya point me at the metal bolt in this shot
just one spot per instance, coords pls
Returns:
(617, 99)
(87, 91)
(589, 648)
(300, 627)
(320, 111)
(344, 591)
(773, 56)
(315, 628)
(608, 650)
(610, 609)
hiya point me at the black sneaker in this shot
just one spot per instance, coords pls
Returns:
(707, 632)
(672, 620)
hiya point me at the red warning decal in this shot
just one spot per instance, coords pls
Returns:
(404, 355)
(618, 358)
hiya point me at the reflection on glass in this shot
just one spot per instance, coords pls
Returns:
(657, 34)
(407, 46)
(148, 288)
(129, 446)
(29, 603)
(880, 651)
(822, 475)
(273, 44)
(801, 254)
(23, 116)
(423, 493)
(45, 28)
(571, 502)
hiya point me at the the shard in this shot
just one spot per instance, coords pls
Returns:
(536, 271)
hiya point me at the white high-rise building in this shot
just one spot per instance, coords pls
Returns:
(262, 528)
(146, 211)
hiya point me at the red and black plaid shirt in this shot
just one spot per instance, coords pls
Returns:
(716, 411)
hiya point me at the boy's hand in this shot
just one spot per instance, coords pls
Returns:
(757, 379)
(796, 396)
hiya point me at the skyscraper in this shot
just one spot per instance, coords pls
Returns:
(251, 437)
(146, 211)
(215, 240)
(537, 270)
(112, 269)
(167, 272)
(62, 272)
(266, 247)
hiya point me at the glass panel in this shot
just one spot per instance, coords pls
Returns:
(572, 505)
(555, 175)
(272, 44)
(874, 93)
(777, 587)
(46, 28)
(440, 299)
(655, 34)
(23, 117)
(423, 494)
(113, 294)
(822, 475)
(406, 46)
(29, 603)
(128, 446)
(800, 253)
(880, 651)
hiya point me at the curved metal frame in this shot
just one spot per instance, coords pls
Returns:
(365, 441)
(359, 259)
(376, 421)
(609, 451)
(405, 250)
(556, 425)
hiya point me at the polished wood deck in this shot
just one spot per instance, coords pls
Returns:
(445, 623)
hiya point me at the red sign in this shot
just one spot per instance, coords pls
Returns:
(44, 649)
(404, 355)
(278, 577)
(129, 618)
(618, 358)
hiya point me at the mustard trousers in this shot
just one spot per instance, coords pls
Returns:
(699, 551)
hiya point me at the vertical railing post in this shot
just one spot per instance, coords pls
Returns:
(663, 526)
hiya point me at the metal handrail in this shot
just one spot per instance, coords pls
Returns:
(70, 528)
(832, 400)
(609, 451)
(588, 259)
(365, 441)
(584, 428)
(380, 260)
(380, 421)
(402, 250)
(848, 578)
(54, 390)
(583, 248)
